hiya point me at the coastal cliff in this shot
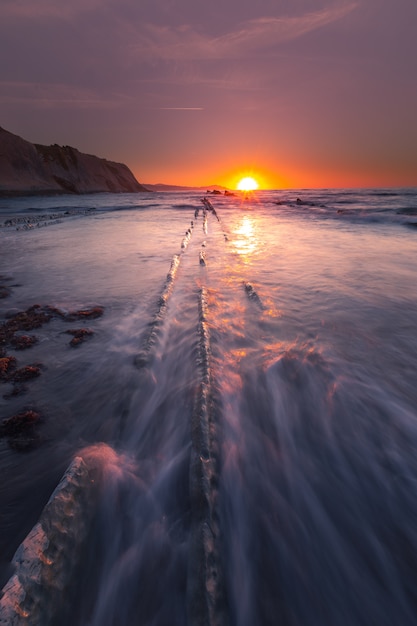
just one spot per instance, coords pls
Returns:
(33, 169)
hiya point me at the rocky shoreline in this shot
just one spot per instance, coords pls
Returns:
(22, 429)
(41, 220)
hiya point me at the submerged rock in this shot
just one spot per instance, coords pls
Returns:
(253, 295)
(26, 373)
(7, 366)
(10, 374)
(35, 317)
(23, 342)
(79, 336)
(21, 429)
(93, 313)
(4, 291)
(19, 423)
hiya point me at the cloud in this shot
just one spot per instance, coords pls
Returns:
(185, 43)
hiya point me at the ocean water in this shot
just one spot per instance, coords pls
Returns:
(249, 395)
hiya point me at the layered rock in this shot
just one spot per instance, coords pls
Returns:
(33, 169)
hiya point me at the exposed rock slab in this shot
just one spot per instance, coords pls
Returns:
(44, 562)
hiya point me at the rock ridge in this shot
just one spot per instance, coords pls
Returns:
(33, 169)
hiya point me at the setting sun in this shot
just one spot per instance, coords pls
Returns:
(247, 184)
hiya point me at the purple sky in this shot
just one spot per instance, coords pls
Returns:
(296, 92)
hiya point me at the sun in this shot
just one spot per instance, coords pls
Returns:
(247, 184)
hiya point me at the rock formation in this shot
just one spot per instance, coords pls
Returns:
(33, 169)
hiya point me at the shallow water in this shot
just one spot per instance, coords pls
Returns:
(302, 360)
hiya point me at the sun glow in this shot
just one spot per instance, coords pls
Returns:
(247, 184)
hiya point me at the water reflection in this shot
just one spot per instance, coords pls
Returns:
(246, 241)
(313, 424)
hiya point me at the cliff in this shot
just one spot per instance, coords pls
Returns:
(33, 169)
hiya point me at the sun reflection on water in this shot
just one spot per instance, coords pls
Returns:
(246, 242)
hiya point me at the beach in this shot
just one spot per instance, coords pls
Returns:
(241, 394)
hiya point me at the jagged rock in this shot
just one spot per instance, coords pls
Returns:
(34, 169)
(10, 374)
(19, 423)
(79, 336)
(22, 342)
(7, 367)
(26, 373)
(252, 295)
(93, 313)
(45, 562)
(21, 430)
(34, 317)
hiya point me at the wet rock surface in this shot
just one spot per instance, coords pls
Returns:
(23, 342)
(90, 314)
(35, 317)
(21, 430)
(7, 367)
(29, 222)
(5, 290)
(79, 336)
(9, 373)
(26, 373)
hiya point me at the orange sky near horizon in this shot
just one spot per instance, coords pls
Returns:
(283, 178)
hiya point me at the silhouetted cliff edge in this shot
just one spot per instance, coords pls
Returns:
(32, 169)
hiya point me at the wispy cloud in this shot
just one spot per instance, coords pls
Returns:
(47, 95)
(186, 43)
(39, 9)
(181, 108)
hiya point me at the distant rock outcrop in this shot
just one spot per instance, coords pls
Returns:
(33, 169)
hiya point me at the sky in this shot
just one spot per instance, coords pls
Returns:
(296, 93)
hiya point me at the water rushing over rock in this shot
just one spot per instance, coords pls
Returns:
(236, 438)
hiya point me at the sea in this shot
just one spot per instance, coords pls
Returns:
(233, 438)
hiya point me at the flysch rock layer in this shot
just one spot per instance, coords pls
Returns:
(45, 561)
(33, 169)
